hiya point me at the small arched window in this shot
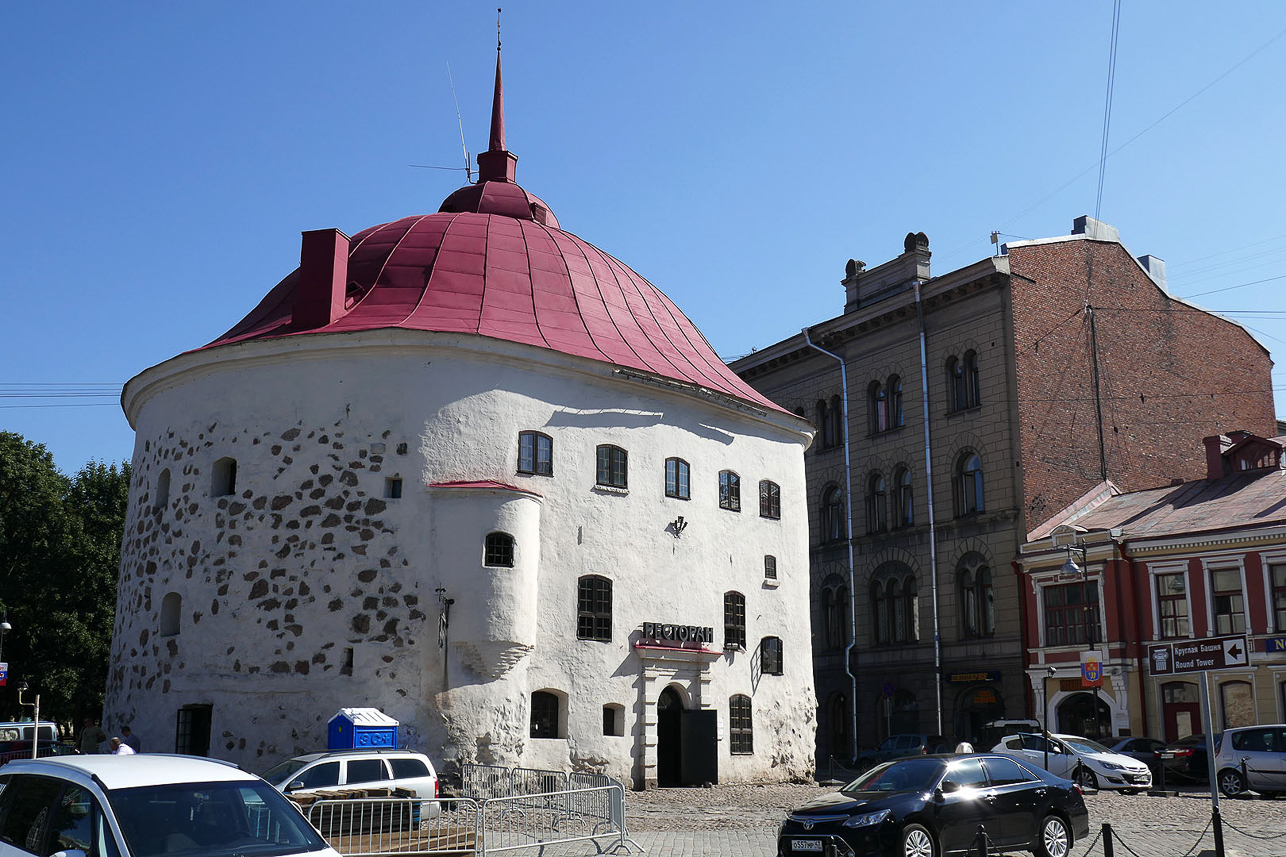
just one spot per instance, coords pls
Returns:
(955, 383)
(594, 608)
(972, 382)
(171, 608)
(880, 607)
(837, 421)
(224, 477)
(769, 499)
(545, 715)
(904, 507)
(834, 613)
(535, 453)
(878, 404)
(833, 528)
(612, 468)
(977, 605)
(162, 491)
(741, 738)
(499, 550)
(877, 508)
(894, 602)
(968, 484)
(896, 416)
(824, 424)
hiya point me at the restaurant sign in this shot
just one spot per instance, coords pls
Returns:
(666, 634)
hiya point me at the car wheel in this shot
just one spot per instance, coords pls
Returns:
(917, 841)
(1085, 777)
(1055, 839)
(1230, 782)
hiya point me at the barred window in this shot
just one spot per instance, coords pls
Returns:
(499, 550)
(770, 656)
(769, 500)
(594, 608)
(677, 475)
(535, 453)
(729, 491)
(734, 620)
(741, 737)
(544, 714)
(613, 466)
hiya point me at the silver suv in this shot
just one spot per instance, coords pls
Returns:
(393, 769)
(1251, 757)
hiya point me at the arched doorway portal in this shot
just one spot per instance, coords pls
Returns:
(668, 743)
(1075, 716)
(976, 707)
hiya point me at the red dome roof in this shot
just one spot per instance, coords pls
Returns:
(491, 262)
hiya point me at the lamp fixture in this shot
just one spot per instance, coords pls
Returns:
(678, 525)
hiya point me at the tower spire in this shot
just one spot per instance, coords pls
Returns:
(497, 163)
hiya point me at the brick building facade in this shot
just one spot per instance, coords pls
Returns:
(1046, 369)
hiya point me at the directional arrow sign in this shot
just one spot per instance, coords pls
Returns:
(1194, 656)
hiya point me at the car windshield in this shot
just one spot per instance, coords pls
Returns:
(1085, 745)
(282, 772)
(907, 775)
(227, 819)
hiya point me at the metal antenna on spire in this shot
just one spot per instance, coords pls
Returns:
(468, 167)
(498, 10)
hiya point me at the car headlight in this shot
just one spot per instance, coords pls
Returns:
(1112, 766)
(867, 819)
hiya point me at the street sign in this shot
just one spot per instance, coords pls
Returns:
(1091, 669)
(888, 690)
(4, 674)
(1194, 656)
(1275, 644)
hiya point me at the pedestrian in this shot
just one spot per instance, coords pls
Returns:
(129, 739)
(91, 735)
(119, 748)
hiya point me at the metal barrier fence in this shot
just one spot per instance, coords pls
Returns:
(571, 815)
(484, 781)
(530, 781)
(364, 827)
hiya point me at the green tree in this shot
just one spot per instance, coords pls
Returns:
(60, 545)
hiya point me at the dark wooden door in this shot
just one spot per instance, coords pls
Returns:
(699, 740)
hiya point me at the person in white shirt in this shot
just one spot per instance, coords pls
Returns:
(121, 749)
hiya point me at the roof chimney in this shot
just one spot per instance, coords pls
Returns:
(323, 279)
(1216, 445)
(1155, 268)
(1097, 229)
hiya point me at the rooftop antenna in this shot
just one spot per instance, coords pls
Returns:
(468, 167)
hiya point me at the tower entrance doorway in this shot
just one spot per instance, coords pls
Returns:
(686, 743)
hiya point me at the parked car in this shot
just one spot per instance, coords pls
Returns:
(994, 730)
(146, 806)
(1088, 762)
(1251, 758)
(401, 769)
(1139, 749)
(898, 746)
(1188, 760)
(934, 805)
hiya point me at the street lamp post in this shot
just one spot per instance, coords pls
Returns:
(1071, 569)
(35, 719)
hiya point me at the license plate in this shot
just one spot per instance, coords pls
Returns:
(805, 845)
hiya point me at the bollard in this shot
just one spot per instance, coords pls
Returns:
(1108, 845)
(981, 839)
(1245, 775)
(1217, 824)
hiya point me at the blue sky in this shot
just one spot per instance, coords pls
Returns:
(159, 160)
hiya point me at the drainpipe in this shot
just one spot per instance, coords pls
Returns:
(1140, 652)
(850, 652)
(933, 525)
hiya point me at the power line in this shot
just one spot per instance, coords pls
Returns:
(1107, 106)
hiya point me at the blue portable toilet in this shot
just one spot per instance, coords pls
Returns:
(361, 728)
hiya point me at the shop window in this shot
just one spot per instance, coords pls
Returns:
(729, 491)
(877, 511)
(613, 467)
(1228, 601)
(499, 550)
(769, 499)
(967, 484)
(770, 656)
(741, 738)
(224, 477)
(594, 608)
(904, 499)
(171, 610)
(1071, 614)
(1172, 605)
(734, 620)
(677, 478)
(535, 453)
(545, 714)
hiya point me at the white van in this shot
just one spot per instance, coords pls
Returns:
(20, 730)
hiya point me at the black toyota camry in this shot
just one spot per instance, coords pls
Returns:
(932, 806)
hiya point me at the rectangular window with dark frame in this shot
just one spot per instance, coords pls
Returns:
(544, 714)
(1172, 605)
(192, 730)
(741, 737)
(1229, 601)
(734, 620)
(677, 479)
(613, 467)
(770, 655)
(729, 491)
(535, 453)
(594, 609)
(770, 567)
(1277, 573)
(769, 499)
(1069, 619)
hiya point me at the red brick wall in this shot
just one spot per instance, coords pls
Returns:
(1169, 375)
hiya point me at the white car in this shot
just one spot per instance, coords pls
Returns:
(147, 806)
(393, 769)
(1087, 762)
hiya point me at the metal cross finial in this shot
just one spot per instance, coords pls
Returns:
(498, 29)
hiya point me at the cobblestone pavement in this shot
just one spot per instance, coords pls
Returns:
(743, 819)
